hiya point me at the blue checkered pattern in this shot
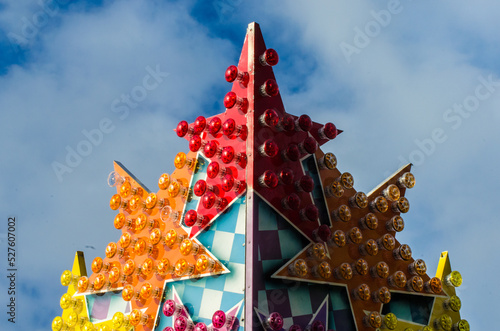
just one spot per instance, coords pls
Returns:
(225, 239)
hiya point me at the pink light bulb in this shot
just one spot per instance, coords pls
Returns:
(275, 321)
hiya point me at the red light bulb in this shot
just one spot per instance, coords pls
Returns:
(310, 213)
(213, 169)
(195, 143)
(182, 128)
(306, 184)
(291, 202)
(286, 176)
(269, 88)
(309, 145)
(228, 127)
(231, 73)
(230, 99)
(303, 123)
(227, 154)
(268, 179)
(241, 159)
(210, 149)
(269, 58)
(214, 126)
(208, 200)
(269, 148)
(269, 118)
(227, 183)
(322, 233)
(199, 188)
(191, 217)
(328, 131)
(199, 125)
(292, 153)
(287, 123)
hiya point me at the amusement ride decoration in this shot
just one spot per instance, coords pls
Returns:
(257, 228)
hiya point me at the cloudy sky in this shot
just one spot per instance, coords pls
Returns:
(83, 83)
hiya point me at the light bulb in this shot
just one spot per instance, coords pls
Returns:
(269, 57)
(214, 126)
(199, 125)
(303, 123)
(269, 118)
(328, 131)
(269, 88)
(182, 128)
(114, 179)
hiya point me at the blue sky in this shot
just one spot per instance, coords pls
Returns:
(407, 81)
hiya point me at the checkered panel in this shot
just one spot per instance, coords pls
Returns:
(224, 239)
(103, 306)
(297, 302)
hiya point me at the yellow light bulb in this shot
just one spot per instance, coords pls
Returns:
(164, 181)
(163, 266)
(135, 317)
(83, 283)
(173, 189)
(72, 319)
(155, 236)
(129, 267)
(151, 201)
(125, 240)
(110, 250)
(57, 323)
(96, 265)
(140, 222)
(119, 221)
(99, 282)
(128, 292)
(115, 202)
(66, 301)
(114, 275)
(180, 160)
(204, 263)
(147, 267)
(146, 291)
(125, 189)
(140, 246)
(118, 320)
(66, 278)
